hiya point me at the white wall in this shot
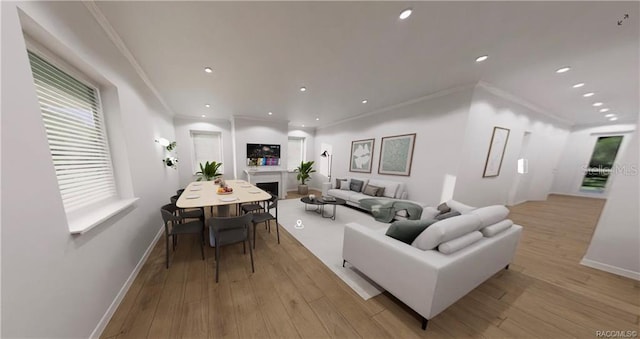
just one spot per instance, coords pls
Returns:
(615, 246)
(185, 153)
(55, 284)
(439, 123)
(256, 131)
(310, 153)
(576, 156)
(546, 142)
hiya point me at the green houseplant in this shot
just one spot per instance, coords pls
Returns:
(209, 171)
(304, 173)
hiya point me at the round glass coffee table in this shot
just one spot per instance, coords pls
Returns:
(320, 203)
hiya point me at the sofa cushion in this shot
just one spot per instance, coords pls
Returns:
(445, 230)
(371, 190)
(460, 207)
(491, 214)
(429, 213)
(390, 187)
(459, 243)
(345, 185)
(338, 181)
(443, 208)
(447, 215)
(407, 230)
(340, 194)
(356, 185)
(356, 197)
(496, 228)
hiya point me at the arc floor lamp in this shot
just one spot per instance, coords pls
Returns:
(326, 154)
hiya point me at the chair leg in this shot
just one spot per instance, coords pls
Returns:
(278, 231)
(175, 241)
(167, 250)
(244, 247)
(425, 321)
(217, 262)
(202, 245)
(254, 236)
(343, 262)
(251, 255)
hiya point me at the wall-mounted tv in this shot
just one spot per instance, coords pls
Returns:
(263, 154)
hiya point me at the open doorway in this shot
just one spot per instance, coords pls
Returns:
(601, 163)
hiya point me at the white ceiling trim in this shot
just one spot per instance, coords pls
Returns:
(249, 117)
(122, 47)
(402, 104)
(511, 97)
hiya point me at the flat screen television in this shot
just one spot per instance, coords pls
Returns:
(263, 151)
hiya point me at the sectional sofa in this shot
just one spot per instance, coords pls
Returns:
(446, 261)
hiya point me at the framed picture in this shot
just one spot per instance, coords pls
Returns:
(361, 155)
(497, 147)
(396, 154)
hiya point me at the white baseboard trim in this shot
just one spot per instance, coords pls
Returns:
(102, 324)
(581, 195)
(611, 269)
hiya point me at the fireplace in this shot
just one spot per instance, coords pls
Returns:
(271, 187)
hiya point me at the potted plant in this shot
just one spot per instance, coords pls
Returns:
(209, 171)
(304, 173)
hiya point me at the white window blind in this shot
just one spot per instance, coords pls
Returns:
(76, 132)
(295, 153)
(206, 147)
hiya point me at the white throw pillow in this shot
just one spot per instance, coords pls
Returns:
(460, 207)
(445, 230)
(459, 243)
(494, 229)
(491, 214)
(390, 187)
(345, 185)
(429, 213)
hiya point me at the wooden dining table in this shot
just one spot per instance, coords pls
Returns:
(202, 194)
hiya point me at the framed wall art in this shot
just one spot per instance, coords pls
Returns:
(497, 147)
(361, 155)
(396, 154)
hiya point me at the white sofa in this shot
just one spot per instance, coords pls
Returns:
(393, 190)
(429, 281)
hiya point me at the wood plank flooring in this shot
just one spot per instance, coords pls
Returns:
(545, 294)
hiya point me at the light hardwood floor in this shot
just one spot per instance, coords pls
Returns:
(546, 293)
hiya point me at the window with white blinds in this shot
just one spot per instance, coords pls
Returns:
(207, 146)
(295, 153)
(75, 128)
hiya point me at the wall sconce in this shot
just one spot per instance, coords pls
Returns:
(326, 154)
(163, 142)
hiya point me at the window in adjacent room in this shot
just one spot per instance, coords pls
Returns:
(76, 132)
(207, 146)
(601, 163)
(295, 152)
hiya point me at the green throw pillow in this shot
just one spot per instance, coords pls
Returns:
(407, 230)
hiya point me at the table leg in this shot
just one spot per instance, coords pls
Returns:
(333, 216)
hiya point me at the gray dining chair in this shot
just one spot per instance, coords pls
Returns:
(266, 217)
(231, 230)
(174, 225)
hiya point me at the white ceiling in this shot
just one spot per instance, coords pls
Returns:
(343, 52)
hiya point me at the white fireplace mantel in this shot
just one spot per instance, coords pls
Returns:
(269, 175)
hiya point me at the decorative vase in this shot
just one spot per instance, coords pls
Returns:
(303, 189)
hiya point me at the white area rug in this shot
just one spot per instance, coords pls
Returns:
(323, 237)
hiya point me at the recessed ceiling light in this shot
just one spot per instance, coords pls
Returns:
(317, 119)
(602, 110)
(597, 104)
(270, 113)
(302, 125)
(208, 69)
(586, 95)
(303, 89)
(365, 101)
(207, 105)
(578, 85)
(482, 58)
(563, 69)
(204, 116)
(613, 118)
(609, 115)
(405, 13)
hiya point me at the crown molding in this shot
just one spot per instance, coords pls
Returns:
(199, 119)
(250, 117)
(402, 104)
(122, 47)
(511, 97)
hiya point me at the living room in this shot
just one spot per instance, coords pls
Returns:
(325, 76)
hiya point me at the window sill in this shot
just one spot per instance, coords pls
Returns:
(80, 224)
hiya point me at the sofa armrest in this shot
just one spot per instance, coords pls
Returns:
(406, 272)
(326, 186)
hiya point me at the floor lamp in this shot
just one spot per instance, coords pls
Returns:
(326, 154)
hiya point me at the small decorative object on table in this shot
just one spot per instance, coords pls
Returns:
(312, 197)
